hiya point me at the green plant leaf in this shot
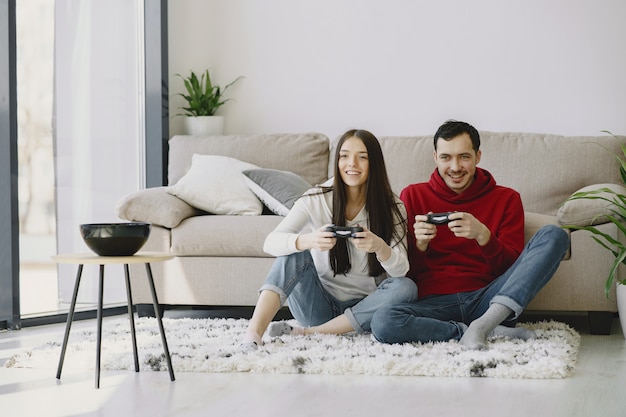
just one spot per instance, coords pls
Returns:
(203, 97)
(619, 259)
(618, 218)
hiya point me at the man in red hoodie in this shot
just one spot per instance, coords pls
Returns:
(472, 270)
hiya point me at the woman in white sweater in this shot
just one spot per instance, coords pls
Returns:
(335, 284)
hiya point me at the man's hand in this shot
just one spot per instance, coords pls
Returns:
(467, 226)
(424, 232)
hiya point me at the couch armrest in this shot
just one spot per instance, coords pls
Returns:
(590, 205)
(156, 206)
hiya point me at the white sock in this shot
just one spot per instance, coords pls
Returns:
(250, 342)
(281, 328)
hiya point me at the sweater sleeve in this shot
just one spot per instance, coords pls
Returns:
(282, 240)
(398, 263)
(507, 241)
(309, 213)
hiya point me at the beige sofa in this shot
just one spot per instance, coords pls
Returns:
(219, 258)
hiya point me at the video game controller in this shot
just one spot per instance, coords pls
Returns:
(345, 231)
(439, 218)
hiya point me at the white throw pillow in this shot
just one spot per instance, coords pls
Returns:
(214, 184)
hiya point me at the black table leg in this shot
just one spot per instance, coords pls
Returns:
(70, 317)
(131, 316)
(99, 326)
(157, 313)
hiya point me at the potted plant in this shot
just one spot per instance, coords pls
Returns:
(617, 215)
(203, 100)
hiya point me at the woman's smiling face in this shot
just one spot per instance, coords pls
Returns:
(353, 162)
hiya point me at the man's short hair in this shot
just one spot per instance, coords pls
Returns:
(453, 128)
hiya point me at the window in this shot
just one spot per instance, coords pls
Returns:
(107, 112)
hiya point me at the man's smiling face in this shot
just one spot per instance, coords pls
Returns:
(456, 162)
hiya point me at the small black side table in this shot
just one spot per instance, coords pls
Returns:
(81, 259)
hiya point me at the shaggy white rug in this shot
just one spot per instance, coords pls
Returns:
(212, 345)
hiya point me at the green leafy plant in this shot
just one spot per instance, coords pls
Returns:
(617, 217)
(203, 98)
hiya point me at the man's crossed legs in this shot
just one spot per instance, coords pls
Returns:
(471, 317)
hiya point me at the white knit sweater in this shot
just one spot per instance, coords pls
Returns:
(311, 212)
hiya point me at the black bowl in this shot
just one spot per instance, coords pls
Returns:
(115, 239)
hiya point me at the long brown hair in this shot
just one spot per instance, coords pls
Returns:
(380, 203)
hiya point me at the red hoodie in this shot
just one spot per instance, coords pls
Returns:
(455, 264)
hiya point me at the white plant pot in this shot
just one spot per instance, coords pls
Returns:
(620, 290)
(202, 126)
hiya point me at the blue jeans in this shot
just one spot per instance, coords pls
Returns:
(294, 278)
(439, 317)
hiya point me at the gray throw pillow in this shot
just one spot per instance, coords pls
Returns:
(278, 190)
(587, 212)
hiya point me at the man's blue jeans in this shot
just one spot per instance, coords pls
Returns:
(294, 278)
(439, 317)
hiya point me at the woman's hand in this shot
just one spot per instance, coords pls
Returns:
(319, 239)
(368, 241)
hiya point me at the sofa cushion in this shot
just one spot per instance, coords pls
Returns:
(211, 235)
(585, 211)
(303, 154)
(539, 166)
(278, 190)
(546, 169)
(156, 206)
(215, 184)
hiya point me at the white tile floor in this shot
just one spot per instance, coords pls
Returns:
(595, 390)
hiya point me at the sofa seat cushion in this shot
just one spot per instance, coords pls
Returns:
(223, 235)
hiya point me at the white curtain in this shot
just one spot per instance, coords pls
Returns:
(98, 125)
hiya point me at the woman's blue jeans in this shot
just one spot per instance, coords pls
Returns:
(294, 278)
(437, 318)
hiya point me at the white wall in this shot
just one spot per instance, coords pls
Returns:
(402, 67)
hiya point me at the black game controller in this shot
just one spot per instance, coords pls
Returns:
(344, 231)
(439, 218)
